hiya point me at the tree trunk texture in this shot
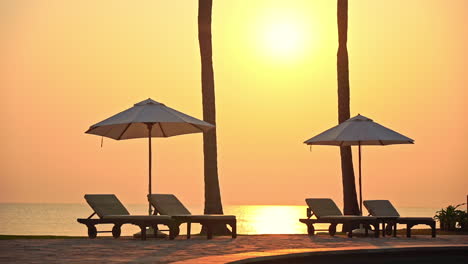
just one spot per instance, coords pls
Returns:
(212, 191)
(349, 187)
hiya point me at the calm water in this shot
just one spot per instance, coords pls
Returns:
(60, 219)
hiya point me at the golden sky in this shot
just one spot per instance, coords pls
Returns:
(65, 65)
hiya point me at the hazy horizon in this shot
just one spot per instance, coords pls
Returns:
(197, 205)
(69, 64)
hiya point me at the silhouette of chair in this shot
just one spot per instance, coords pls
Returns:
(384, 208)
(168, 204)
(326, 211)
(111, 211)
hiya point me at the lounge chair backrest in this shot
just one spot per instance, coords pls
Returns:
(381, 208)
(323, 207)
(168, 204)
(106, 204)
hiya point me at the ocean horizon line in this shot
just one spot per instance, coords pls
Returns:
(189, 204)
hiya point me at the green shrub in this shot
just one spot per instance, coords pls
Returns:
(463, 220)
(451, 218)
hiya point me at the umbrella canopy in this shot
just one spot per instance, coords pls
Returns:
(133, 122)
(359, 130)
(148, 119)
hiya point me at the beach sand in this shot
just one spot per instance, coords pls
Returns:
(195, 250)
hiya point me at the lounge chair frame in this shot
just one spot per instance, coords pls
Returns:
(209, 224)
(388, 225)
(391, 226)
(208, 221)
(141, 221)
(412, 222)
(334, 221)
(328, 213)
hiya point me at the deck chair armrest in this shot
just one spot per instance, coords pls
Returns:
(155, 212)
(309, 213)
(93, 214)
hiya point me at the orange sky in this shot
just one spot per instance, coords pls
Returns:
(65, 65)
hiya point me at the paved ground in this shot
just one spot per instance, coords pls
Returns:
(195, 250)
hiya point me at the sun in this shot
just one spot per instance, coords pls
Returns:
(283, 35)
(283, 38)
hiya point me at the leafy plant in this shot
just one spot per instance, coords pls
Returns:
(450, 218)
(463, 220)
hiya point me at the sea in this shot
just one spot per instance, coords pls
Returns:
(60, 219)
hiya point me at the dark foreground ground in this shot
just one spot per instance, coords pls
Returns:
(197, 249)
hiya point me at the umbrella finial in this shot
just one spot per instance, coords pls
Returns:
(359, 117)
(148, 101)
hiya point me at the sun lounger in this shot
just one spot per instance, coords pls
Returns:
(383, 209)
(326, 211)
(168, 204)
(111, 211)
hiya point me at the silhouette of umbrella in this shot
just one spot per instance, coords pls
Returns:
(359, 130)
(148, 119)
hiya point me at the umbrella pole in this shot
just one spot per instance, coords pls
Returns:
(360, 182)
(150, 126)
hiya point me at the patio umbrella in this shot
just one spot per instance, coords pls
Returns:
(148, 119)
(359, 130)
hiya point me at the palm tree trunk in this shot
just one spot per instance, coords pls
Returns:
(349, 188)
(212, 192)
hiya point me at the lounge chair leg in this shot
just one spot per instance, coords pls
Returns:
(209, 232)
(143, 232)
(155, 231)
(92, 231)
(310, 229)
(377, 229)
(189, 227)
(332, 229)
(433, 228)
(394, 229)
(388, 229)
(116, 231)
(173, 231)
(233, 225)
(234, 229)
(408, 230)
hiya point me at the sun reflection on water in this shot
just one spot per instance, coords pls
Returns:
(269, 219)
